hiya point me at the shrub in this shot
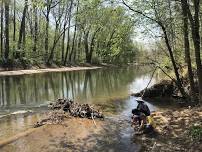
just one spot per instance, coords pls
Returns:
(195, 133)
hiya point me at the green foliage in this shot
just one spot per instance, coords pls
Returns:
(195, 133)
(108, 25)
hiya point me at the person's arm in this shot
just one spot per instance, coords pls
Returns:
(141, 125)
(143, 122)
(138, 106)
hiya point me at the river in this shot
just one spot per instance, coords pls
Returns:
(24, 99)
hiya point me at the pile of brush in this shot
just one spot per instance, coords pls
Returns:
(64, 108)
(76, 109)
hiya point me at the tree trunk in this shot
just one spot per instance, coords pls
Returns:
(2, 28)
(195, 26)
(68, 32)
(35, 28)
(75, 49)
(6, 55)
(75, 32)
(79, 47)
(178, 82)
(63, 44)
(90, 53)
(22, 27)
(14, 24)
(88, 60)
(187, 49)
(197, 46)
(50, 59)
(47, 34)
(73, 42)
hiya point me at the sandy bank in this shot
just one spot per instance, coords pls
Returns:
(72, 134)
(34, 71)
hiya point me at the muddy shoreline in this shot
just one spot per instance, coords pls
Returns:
(77, 134)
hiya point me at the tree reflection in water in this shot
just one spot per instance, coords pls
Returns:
(90, 86)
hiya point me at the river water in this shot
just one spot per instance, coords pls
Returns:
(24, 99)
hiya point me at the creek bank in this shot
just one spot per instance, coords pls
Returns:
(166, 89)
(173, 131)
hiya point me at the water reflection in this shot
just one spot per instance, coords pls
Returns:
(109, 88)
(90, 86)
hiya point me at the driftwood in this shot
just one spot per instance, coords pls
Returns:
(64, 108)
(76, 109)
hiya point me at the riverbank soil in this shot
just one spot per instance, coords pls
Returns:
(172, 131)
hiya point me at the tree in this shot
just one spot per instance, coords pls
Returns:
(14, 23)
(50, 4)
(35, 25)
(195, 28)
(7, 47)
(68, 31)
(157, 20)
(2, 14)
(187, 48)
(22, 27)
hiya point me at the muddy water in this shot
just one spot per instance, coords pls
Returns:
(24, 99)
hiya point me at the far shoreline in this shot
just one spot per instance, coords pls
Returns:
(46, 70)
(55, 68)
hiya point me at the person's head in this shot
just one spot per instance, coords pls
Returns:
(139, 100)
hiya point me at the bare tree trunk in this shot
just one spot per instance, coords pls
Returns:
(47, 34)
(6, 55)
(14, 24)
(195, 26)
(50, 59)
(179, 83)
(75, 32)
(63, 44)
(2, 28)
(35, 28)
(187, 49)
(73, 42)
(22, 27)
(86, 46)
(75, 49)
(68, 32)
(79, 47)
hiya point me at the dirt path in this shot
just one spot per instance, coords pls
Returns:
(34, 71)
